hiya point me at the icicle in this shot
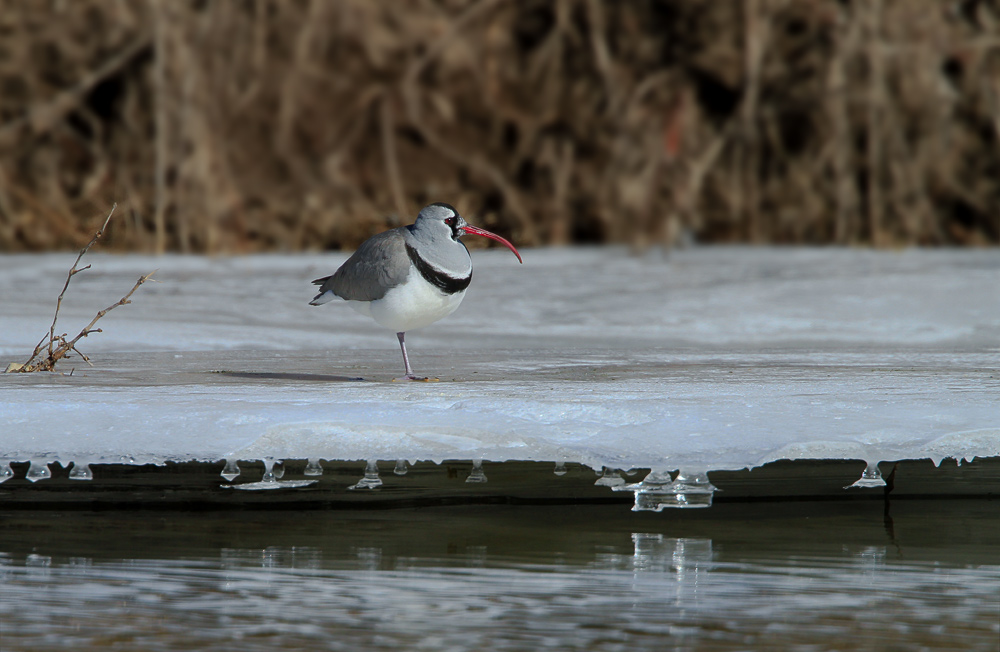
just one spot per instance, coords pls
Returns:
(656, 482)
(610, 478)
(38, 471)
(231, 470)
(657, 491)
(269, 475)
(870, 477)
(477, 475)
(371, 479)
(81, 471)
(313, 467)
(400, 468)
(560, 468)
(6, 472)
(273, 469)
(691, 490)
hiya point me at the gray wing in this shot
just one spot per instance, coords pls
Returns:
(379, 265)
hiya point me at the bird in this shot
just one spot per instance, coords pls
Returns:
(411, 276)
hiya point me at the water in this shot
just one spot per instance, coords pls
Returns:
(799, 575)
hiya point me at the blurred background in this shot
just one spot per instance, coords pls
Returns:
(274, 125)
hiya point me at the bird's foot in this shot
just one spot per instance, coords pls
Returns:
(423, 379)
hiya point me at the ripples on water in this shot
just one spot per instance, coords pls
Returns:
(809, 577)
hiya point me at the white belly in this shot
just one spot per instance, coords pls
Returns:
(414, 304)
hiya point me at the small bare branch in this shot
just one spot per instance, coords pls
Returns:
(73, 271)
(65, 346)
(57, 346)
(121, 302)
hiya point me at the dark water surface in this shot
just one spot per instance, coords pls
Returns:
(922, 575)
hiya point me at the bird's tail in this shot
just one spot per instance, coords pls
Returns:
(322, 297)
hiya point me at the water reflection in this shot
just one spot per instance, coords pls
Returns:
(504, 578)
(657, 553)
(687, 561)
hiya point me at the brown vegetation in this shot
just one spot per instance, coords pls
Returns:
(54, 347)
(262, 124)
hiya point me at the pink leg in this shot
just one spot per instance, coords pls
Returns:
(406, 360)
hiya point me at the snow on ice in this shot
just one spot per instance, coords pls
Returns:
(700, 359)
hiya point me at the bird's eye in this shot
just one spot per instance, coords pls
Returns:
(451, 221)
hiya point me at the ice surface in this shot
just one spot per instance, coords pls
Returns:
(701, 359)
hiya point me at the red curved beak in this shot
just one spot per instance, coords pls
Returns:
(475, 230)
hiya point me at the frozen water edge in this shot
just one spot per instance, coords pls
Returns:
(706, 359)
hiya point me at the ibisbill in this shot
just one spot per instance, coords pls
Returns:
(411, 276)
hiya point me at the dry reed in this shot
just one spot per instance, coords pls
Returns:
(310, 124)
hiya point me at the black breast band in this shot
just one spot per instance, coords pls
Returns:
(437, 278)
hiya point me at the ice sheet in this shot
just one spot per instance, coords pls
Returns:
(715, 358)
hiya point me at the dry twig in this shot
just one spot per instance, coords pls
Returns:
(57, 346)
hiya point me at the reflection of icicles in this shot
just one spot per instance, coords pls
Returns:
(400, 468)
(477, 474)
(610, 478)
(34, 560)
(313, 467)
(657, 491)
(371, 479)
(871, 562)
(688, 560)
(658, 553)
(652, 553)
(6, 472)
(870, 477)
(368, 558)
(38, 471)
(477, 556)
(81, 471)
(231, 470)
(560, 468)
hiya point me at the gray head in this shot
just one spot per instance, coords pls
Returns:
(440, 222)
